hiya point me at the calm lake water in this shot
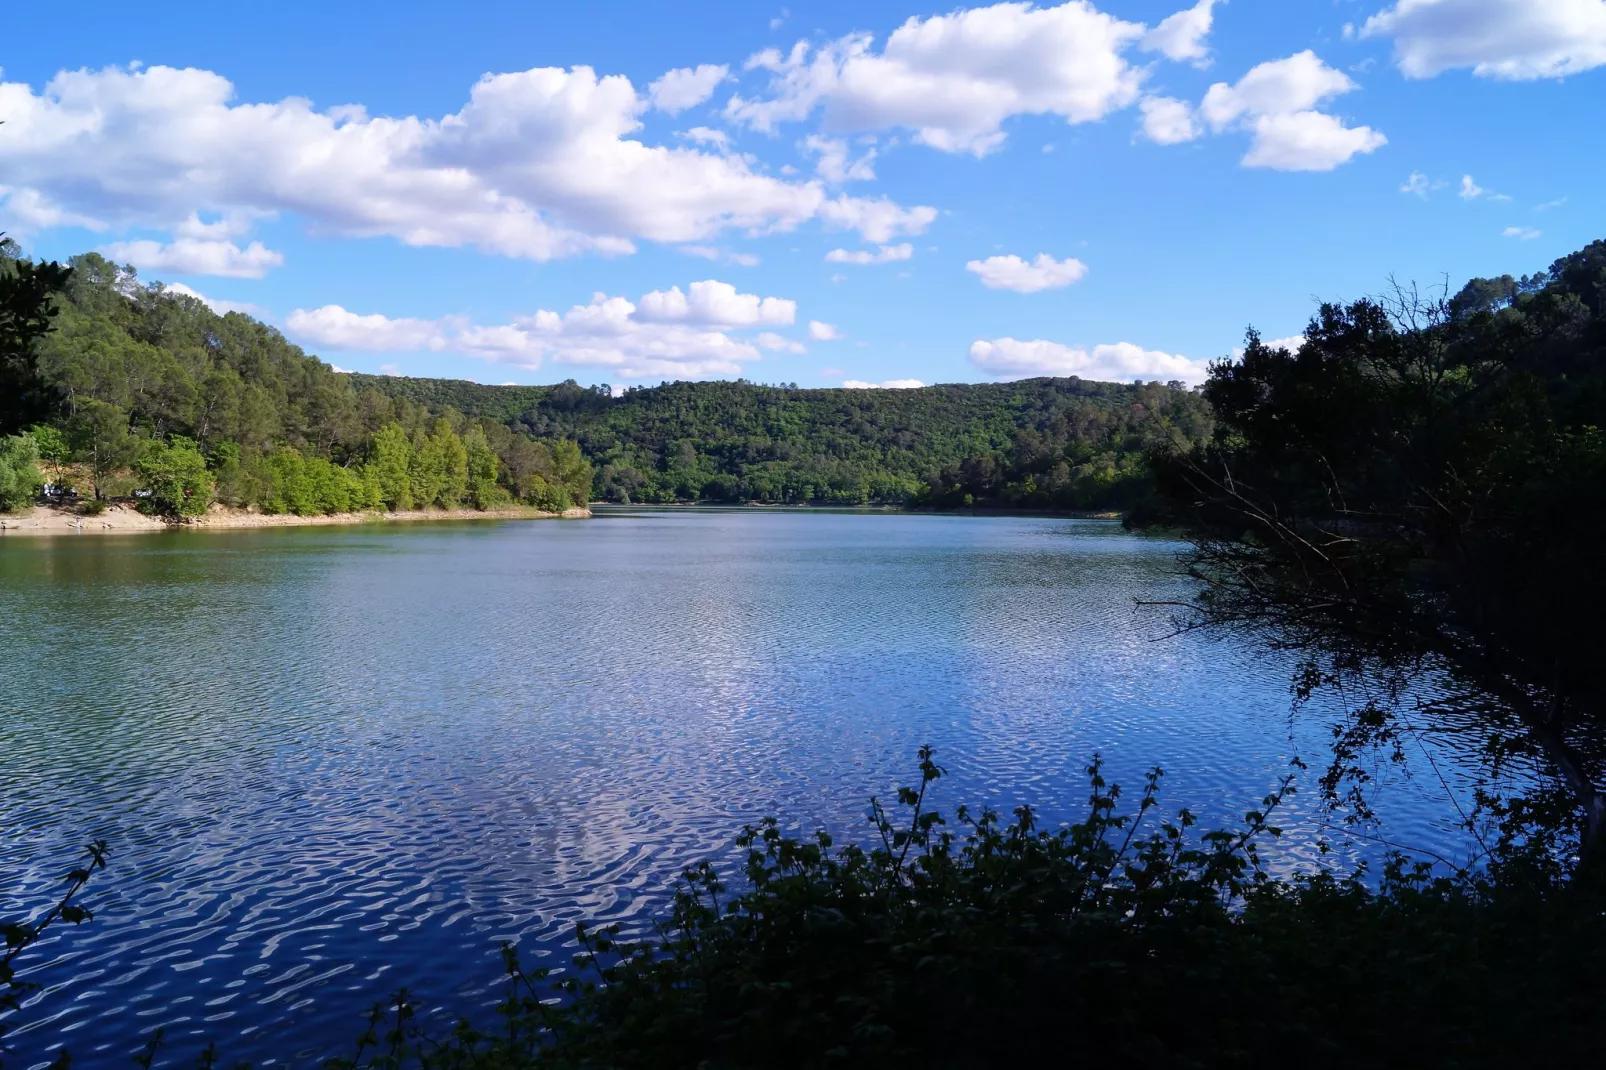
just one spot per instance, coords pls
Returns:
(331, 762)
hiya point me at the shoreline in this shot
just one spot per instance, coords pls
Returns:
(878, 507)
(120, 519)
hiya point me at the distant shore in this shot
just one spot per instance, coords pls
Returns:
(881, 507)
(122, 519)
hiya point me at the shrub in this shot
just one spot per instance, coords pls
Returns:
(19, 472)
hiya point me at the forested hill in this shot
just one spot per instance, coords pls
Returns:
(129, 372)
(1040, 443)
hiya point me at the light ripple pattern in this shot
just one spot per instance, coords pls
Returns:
(334, 762)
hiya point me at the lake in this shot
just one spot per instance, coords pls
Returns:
(331, 762)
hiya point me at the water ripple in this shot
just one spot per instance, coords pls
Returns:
(332, 763)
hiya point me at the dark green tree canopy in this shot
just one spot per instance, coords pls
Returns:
(1423, 484)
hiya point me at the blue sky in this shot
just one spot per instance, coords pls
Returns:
(824, 193)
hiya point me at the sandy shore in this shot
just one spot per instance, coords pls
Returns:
(120, 519)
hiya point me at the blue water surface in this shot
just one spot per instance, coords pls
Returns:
(332, 762)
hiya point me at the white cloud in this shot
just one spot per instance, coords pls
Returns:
(1548, 205)
(538, 164)
(889, 384)
(884, 255)
(954, 79)
(1007, 358)
(1471, 191)
(221, 307)
(707, 135)
(27, 210)
(686, 87)
(1013, 273)
(710, 252)
(1275, 102)
(1508, 39)
(197, 256)
(823, 332)
(1522, 233)
(1418, 183)
(834, 165)
(335, 328)
(1182, 36)
(772, 341)
(878, 220)
(716, 304)
(1167, 121)
(1292, 343)
(670, 334)
(1308, 141)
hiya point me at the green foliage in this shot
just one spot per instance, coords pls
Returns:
(121, 365)
(454, 466)
(1420, 486)
(1044, 443)
(100, 437)
(19, 472)
(390, 460)
(27, 303)
(1120, 937)
(312, 486)
(175, 473)
(482, 467)
(52, 446)
(426, 469)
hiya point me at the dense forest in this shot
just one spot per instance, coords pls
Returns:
(132, 386)
(1040, 443)
(140, 385)
(1422, 486)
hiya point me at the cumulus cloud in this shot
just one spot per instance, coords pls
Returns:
(772, 341)
(668, 334)
(221, 307)
(1013, 273)
(333, 327)
(25, 211)
(1508, 39)
(1167, 121)
(197, 256)
(1182, 36)
(1521, 233)
(686, 87)
(889, 384)
(834, 165)
(877, 219)
(1276, 102)
(884, 255)
(537, 164)
(954, 79)
(716, 304)
(1007, 358)
(823, 332)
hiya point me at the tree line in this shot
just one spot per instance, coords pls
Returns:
(1040, 443)
(134, 386)
(133, 382)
